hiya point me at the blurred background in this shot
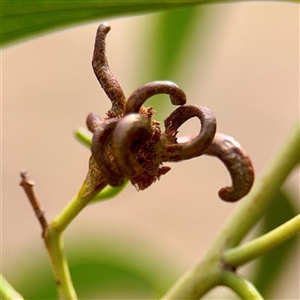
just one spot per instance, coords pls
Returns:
(240, 60)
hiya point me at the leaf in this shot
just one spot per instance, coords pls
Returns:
(270, 266)
(105, 269)
(24, 18)
(171, 33)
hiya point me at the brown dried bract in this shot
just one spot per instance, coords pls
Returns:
(129, 144)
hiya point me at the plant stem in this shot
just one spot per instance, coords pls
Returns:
(54, 241)
(7, 292)
(254, 205)
(241, 286)
(73, 208)
(245, 253)
(206, 273)
(55, 246)
(27, 185)
(52, 233)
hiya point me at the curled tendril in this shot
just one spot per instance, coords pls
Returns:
(199, 144)
(105, 77)
(139, 97)
(237, 163)
(128, 144)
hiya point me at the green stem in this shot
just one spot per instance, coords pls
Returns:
(254, 205)
(245, 253)
(241, 286)
(7, 292)
(206, 273)
(53, 234)
(55, 247)
(73, 208)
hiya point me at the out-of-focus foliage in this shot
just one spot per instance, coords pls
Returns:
(23, 18)
(100, 273)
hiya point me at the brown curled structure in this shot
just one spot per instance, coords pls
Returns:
(100, 147)
(197, 146)
(129, 144)
(237, 163)
(130, 133)
(139, 97)
(107, 80)
(93, 121)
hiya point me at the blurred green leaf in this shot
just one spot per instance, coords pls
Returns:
(270, 266)
(171, 33)
(103, 269)
(23, 18)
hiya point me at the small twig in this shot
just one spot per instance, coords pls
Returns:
(27, 185)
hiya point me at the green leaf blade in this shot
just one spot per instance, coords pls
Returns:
(21, 19)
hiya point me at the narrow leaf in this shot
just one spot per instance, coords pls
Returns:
(23, 18)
